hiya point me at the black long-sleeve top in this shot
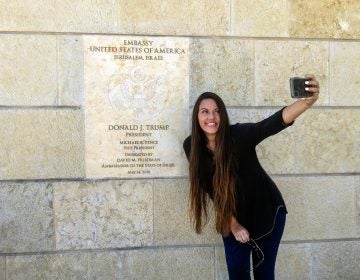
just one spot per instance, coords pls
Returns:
(257, 197)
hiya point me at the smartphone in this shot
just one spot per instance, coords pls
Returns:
(297, 87)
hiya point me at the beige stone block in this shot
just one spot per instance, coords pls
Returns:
(106, 265)
(171, 215)
(329, 141)
(177, 17)
(259, 18)
(28, 15)
(28, 73)
(324, 19)
(87, 16)
(357, 201)
(41, 144)
(294, 262)
(344, 73)
(220, 264)
(223, 66)
(107, 214)
(309, 201)
(71, 70)
(62, 16)
(2, 268)
(157, 264)
(54, 266)
(277, 61)
(26, 221)
(336, 260)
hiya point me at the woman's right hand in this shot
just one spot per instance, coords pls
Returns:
(240, 233)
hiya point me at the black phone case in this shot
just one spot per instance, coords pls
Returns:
(297, 88)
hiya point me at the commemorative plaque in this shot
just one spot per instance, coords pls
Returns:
(136, 106)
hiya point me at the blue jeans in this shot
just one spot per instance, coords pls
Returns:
(238, 254)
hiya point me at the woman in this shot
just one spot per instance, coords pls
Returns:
(250, 212)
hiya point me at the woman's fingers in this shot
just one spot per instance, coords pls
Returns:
(242, 236)
(240, 233)
(312, 84)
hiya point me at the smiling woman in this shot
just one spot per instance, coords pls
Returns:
(209, 120)
(250, 211)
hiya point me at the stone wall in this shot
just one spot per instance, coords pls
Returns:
(57, 224)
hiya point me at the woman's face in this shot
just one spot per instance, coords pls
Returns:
(209, 117)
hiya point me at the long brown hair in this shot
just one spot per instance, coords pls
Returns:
(223, 181)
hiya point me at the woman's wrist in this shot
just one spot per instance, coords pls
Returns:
(306, 103)
(233, 222)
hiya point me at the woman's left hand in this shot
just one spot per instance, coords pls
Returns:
(312, 86)
(291, 112)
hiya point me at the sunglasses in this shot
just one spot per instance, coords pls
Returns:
(257, 251)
